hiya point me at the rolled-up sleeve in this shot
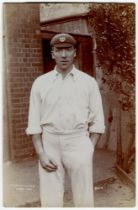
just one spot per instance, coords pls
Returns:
(34, 125)
(96, 115)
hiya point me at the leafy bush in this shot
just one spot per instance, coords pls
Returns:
(114, 28)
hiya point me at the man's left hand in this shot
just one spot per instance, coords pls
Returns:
(94, 138)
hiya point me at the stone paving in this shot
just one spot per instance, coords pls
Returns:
(21, 184)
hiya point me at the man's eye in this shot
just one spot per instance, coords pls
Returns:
(57, 50)
(69, 49)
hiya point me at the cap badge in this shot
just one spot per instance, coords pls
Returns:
(62, 39)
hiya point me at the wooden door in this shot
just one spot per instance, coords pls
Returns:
(84, 59)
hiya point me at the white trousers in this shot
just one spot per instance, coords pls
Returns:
(75, 153)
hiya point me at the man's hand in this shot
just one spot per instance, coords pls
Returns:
(46, 163)
(94, 138)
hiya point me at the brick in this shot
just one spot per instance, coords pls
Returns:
(24, 55)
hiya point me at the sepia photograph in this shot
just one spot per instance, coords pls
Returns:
(69, 104)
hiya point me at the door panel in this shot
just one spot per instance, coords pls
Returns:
(85, 56)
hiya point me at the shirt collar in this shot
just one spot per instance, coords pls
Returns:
(72, 72)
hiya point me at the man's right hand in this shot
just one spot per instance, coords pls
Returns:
(47, 163)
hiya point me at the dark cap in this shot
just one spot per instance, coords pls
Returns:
(63, 40)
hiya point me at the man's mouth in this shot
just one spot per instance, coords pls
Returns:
(64, 62)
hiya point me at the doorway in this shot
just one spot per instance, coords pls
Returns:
(48, 62)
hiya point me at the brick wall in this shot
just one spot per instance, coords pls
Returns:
(23, 56)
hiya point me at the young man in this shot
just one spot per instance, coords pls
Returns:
(65, 109)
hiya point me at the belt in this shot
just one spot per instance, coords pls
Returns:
(66, 132)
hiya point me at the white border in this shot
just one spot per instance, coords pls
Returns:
(1, 66)
(80, 1)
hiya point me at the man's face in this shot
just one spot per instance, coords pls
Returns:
(64, 57)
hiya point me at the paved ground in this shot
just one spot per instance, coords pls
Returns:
(21, 184)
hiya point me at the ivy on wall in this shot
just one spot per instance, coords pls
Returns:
(114, 27)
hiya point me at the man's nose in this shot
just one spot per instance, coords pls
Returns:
(63, 53)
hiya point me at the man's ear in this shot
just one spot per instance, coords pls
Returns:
(74, 52)
(52, 54)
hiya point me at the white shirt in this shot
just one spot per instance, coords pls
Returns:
(65, 105)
